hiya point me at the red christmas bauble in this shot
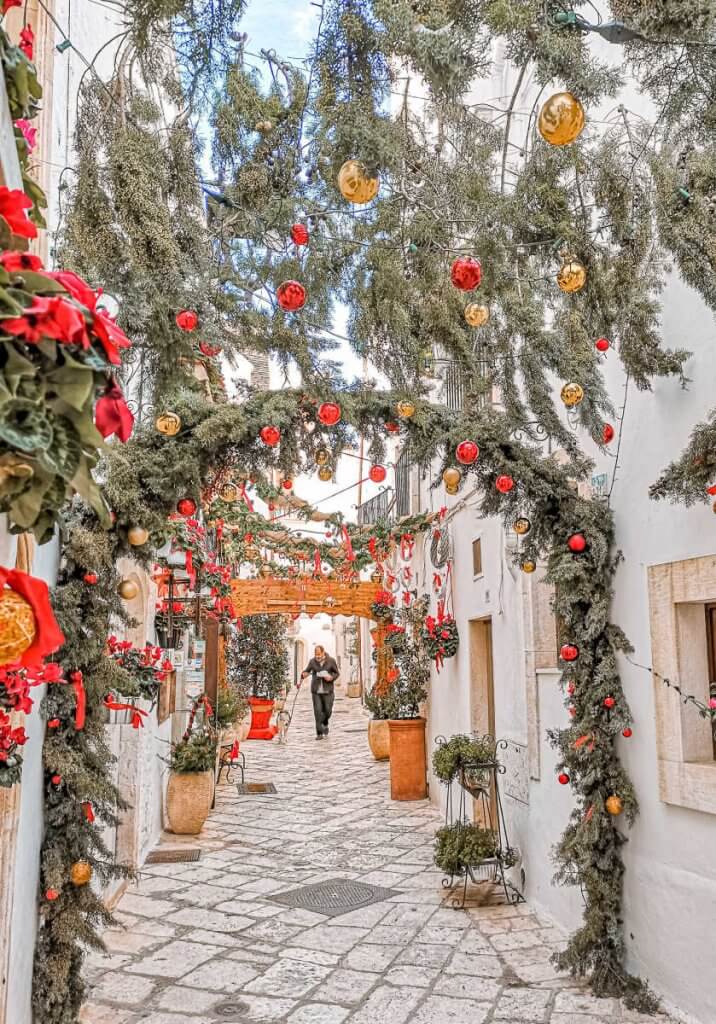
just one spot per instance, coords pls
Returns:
(186, 506)
(571, 687)
(569, 652)
(392, 428)
(609, 702)
(602, 344)
(56, 780)
(577, 543)
(504, 484)
(209, 350)
(607, 433)
(291, 296)
(287, 485)
(627, 732)
(271, 506)
(53, 723)
(270, 436)
(187, 320)
(377, 474)
(466, 273)
(329, 413)
(90, 578)
(299, 234)
(563, 778)
(572, 710)
(51, 894)
(467, 452)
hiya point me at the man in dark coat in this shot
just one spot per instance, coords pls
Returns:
(323, 671)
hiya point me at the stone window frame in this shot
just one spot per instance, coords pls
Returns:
(678, 595)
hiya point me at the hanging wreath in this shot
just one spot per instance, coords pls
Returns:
(382, 607)
(440, 547)
(441, 638)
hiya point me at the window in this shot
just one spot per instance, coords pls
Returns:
(477, 557)
(711, 644)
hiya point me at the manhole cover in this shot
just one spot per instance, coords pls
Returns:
(251, 788)
(230, 1009)
(173, 856)
(335, 897)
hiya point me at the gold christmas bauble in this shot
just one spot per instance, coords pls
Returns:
(572, 276)
(476, 314)
(17, 626)
(354, 183)
(561, 119)
(251, 553)
(127, 590)
(521, 526)
(452, 488)
(614, 804)
(325, 473)
(572, 394)
(405, 409)
(137, 535)
(264, 126)
(266, 571)
(452, 477)
(528, 565)
(323, 457)
(80, 872)
(168, 423)
(229, 492)
(376, 576)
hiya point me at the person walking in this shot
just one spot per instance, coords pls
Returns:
(323, 671)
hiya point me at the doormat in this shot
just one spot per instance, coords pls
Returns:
(335, 897)
(168, 855)
(252, 788)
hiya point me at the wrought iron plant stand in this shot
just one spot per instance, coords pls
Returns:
(480, 780)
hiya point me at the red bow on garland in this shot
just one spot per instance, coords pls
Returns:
(137, 713)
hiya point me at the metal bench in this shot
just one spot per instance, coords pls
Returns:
(231, 764)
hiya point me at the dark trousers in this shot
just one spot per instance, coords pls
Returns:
(322, 708)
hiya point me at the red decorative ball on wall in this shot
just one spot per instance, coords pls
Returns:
(609, 702)
(329, 413)
(577, 543)
(607, 433)
(569, 652)
(377, 474)
(571, 687)
(187, 320)
(602, 344)
(466, 273)
(299, 234)
(186, 506)
(563, 778)
(287, 485)
(56, 780)
(90, 578)
(627, 732)
(53, 723)
(270, 436)
(209, 350)
(51, 894)
(291, 296)
(467, 452)
(504, 484)
(392, 428)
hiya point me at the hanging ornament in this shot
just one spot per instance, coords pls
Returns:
(291, 296)
(168, 424)
(51, 895)
(521, 526)
(323, 457)
(266, 570)
(270, 435)
(571, 688)
(476, 315)
(572, 276)
(392, 428)
(377, 474)
(572, 394)
(627, 732)
(467, 452)
(569, 652)
(452, 477)
(17, 626)
(187, 320)
(80, 872)
(90, 578)
(405, 409)
(602, 344)
(466, 273)
(329, 413)
(264, 127)
(28, 629)
(53, 723)
(452, 488)
(354, 183)
(56, 780)
(529, 566)
(229, 492)
(325, 473)
(607, 433)
(251, 553)
(137, 536)
(186, 506)
(563, 778)
(299, 234)
(577, 543)
(609, 702)
(127, 590)
(614, 804)
(209, 350)
(504, 484)
(287, 484)
(377, 575)
(561, 119)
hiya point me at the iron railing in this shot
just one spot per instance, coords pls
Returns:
(378, 509)
(402, 484)
(455, 381)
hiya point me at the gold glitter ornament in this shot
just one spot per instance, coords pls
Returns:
(323, 457)
(528, 565)
(405, 409)
(521, 526)
(452, 488)
(137, 535)
(452, 477)
(168, 424)
(229, 492)
(572, 394)
(80, 872)
(127, 590)
(476, 314)
(572, 276)
(354, 183)
(17, 626)
(614, 804)
(561, 119)
(325, 473)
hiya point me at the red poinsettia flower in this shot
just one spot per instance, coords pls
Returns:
(48, 635)
(7, 4)
(27, 41)
(49, 318)
(14, 261)
(111, 336)
(28, 132)
(112, 415)
(13, 203)
(77, 288)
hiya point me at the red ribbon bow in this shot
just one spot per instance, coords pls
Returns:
(137, 713)
(80, 697)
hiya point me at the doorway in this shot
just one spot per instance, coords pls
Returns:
(482, 699)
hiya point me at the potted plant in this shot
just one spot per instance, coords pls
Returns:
(257, 657)
(406, 726)
(231, 709)
(464, 845)
(460, 758)
(191, 781)
(382, 707)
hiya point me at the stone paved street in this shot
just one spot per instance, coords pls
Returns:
(202, 943)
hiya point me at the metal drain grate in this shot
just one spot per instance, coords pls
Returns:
(173, 856)
(230, 1009)
(335, 897)
(251, 788)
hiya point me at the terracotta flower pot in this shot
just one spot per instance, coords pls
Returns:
(379, 739)
(189, 797)
(261, 711)
(353, 690)
(408, 768)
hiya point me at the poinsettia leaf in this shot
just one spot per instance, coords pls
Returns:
(23, 425)
(73, 383)
(9, 306)
(64, 454)
(84, 484)
(16, 367)
(83, 423)
(26, 507)
(39, 283)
